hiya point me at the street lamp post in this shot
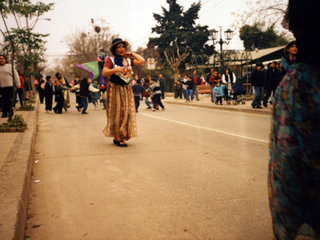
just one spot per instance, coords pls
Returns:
(228, 36)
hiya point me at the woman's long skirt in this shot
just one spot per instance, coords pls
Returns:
(121, 112)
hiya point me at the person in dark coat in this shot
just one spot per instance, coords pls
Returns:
(48, 92)
(40, 90)
(271, 81)
(257, 80)
(162, 83)
(85, 89)
(59, 96)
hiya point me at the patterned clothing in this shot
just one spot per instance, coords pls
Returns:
(294, 165)
(121, 112)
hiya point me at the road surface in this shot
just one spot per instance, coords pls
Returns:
(191, 173)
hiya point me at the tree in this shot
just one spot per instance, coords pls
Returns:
(254, 37)
(179, 35)
(84, 46)
(16, 37)
(30, 46)
(267, 11)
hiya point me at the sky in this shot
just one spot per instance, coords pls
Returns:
(132, 20)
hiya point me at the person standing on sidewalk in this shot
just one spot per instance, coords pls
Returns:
(214, 79)
(256, 79)
(210, 84)
(121, 113)
(228, 78)
(190, 86)
(290, 52)
(196, 82)
(48, 93)
(20, 90)
(272, 79)
(218, 92)
(294, 164)
(162, 83)
(7, 84)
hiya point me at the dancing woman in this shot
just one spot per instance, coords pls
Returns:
(120, 104)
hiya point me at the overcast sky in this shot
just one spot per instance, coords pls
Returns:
(132, 20)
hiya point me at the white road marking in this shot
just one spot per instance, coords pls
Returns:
(205, 128)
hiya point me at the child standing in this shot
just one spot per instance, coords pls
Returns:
(190, 85)
(137, 89)
(219, 93)
(155, 94)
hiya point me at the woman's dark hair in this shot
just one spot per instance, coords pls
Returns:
(57, 75)
(4, 56)
(146, 80)
(114, 48)
(230, 74)
(304, 22)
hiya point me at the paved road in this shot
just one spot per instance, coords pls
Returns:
(192, 173)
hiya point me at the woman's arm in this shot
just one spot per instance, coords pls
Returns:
(107, 72)
(138, 60)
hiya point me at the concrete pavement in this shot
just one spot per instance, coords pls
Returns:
(16, 155)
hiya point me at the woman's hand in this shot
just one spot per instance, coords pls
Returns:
(128, 54)
(122, 69)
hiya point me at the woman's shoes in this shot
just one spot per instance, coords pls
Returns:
(120, 144)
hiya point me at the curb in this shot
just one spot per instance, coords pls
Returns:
(231, 109)
(15, 176)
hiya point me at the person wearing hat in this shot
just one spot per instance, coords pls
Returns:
(121, 112)
(257, 80)
(290, 57)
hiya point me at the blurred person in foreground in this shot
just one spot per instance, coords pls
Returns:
(294, 164)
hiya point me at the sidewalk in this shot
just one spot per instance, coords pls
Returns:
(205, 102)
(16, 154)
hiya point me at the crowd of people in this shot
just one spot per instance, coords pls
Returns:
(264, 81)
(220, 85)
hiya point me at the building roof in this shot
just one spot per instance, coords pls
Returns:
(267, 55)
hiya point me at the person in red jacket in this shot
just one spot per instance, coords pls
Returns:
(20, 90)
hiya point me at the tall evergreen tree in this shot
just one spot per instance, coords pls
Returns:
(179, 36)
